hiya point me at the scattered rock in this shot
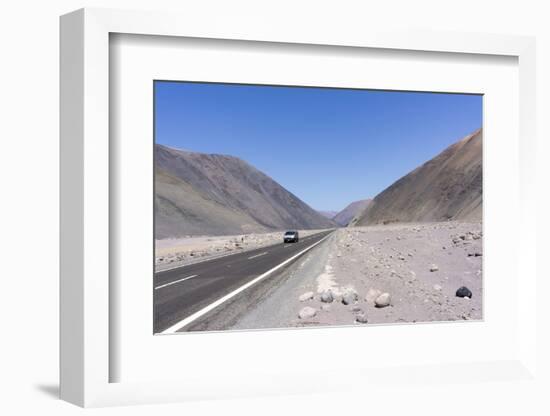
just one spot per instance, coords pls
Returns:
(307, 312)
(349, 297)
(401, 258)
(438, 287)
(464, 292)
(372, 295)
(434, 268)
(327, 296)
(383, 300)
(361, 318)
(306, 296)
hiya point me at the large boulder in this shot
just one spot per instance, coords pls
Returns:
(383, 300)
(307, 312)
(372, 295)
(349, 297)
(327, 296)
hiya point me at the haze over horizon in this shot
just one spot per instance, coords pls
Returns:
(313, 140)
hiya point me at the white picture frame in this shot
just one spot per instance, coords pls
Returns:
(86, 290)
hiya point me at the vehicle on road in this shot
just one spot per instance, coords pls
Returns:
(291, 237)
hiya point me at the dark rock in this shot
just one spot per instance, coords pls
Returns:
(464, 292)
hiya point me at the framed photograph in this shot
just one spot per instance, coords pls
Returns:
(336, 234)
(229, 196)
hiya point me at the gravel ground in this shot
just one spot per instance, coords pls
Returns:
(420, 267)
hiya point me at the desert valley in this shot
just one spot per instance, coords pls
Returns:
(412, 253)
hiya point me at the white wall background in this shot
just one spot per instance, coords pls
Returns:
(29, 206)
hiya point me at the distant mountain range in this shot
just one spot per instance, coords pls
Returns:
(349, 212)
(342, 218)
(210, 194)
(447, 187)
(328, 214)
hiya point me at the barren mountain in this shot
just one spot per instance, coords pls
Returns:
(347, 214)
(449, 186)
(210, 194)
(328, 214)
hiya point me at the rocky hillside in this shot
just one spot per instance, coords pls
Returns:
(349, 212)
(210, 194)
(449, 186)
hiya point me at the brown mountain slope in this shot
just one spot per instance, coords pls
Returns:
(198, 193)
(182, 210)
(449, 186)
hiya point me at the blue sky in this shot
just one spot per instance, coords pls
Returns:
(327, 146)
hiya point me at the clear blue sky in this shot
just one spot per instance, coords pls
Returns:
(327, 146)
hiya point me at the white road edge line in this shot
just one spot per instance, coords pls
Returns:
(208, 258)
(175, 281)
(258, 255)
(186, 321)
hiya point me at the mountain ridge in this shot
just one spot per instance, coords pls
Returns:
(446, 187)
(222, 187)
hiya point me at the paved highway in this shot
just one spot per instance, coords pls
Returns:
(188, 295)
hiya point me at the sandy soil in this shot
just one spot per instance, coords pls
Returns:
(173, 252)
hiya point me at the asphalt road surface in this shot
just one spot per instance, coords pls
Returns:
(205, 295)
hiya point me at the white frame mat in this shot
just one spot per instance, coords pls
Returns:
(86, 167)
